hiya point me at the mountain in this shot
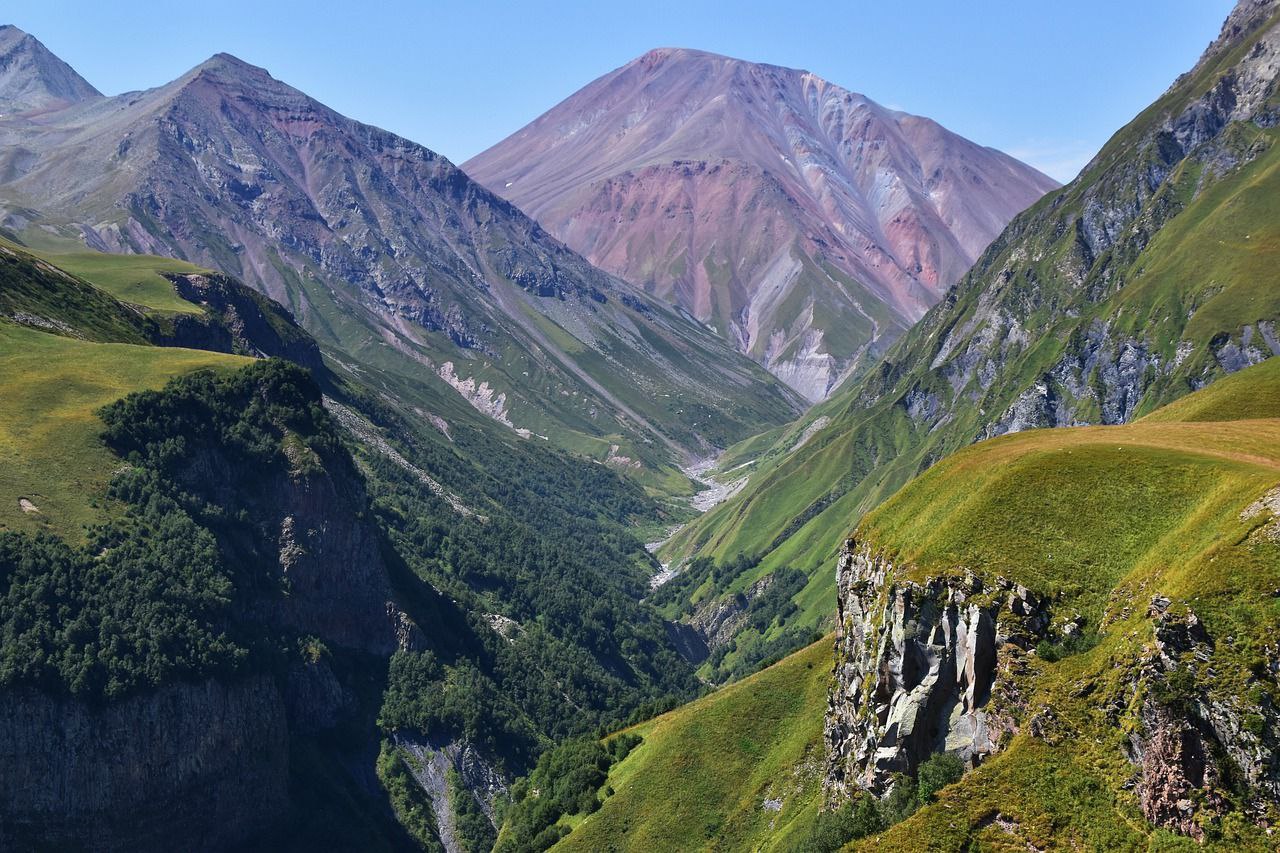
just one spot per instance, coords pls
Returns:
(1149, 276)
(33, 79)
(1078, 616)
(390, 255)
(805, 223)
(290, 589)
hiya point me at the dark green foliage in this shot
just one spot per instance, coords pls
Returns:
(936, 773)
(470, 822)
(902, 801)
(620, 747)
(554, 555)
(410, 802)
(833, 829)
(679, 589)
(458, 700)
(245, 415)
(1053, 652)
(565, 781)
(144, 603)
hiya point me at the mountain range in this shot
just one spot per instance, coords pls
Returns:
(387, 252)
(1144, 279)
(326, 473)
(804, 223)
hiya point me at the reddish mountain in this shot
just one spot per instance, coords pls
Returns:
(806, 223)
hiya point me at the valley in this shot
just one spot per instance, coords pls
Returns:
(725, 460)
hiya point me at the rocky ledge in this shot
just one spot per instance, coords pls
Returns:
(922, 668)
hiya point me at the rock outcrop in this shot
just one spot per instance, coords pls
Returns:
(921, 668)
(202, 766)
(237, 320)
(1192, 743)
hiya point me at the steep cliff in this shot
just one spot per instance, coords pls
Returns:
(204, 765)
(1086, 619)
(922, 668)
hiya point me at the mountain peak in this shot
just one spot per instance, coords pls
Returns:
(769, 203)
(34, 79)
(226, 65)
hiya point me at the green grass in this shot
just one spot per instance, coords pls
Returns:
(50, 450)
(700, 778)
(1101, 519)
(1098, 519)
(130, 278)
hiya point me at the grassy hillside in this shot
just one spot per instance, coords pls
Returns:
(130, 278)
(1148, 277)
(51, 451)
(1102, 519)
(703, 773)
(1097, 519)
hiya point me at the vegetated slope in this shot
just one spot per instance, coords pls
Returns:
(1129, 573)
(389, 255)
(737, 770)
(516, 535)
(805, 223)
(1095, 523)
(1149, 276)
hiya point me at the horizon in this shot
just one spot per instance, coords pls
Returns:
(1095, 99)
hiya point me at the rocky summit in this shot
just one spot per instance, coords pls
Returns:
(805, 223)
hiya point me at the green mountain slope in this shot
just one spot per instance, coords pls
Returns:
(486, 543)
(737, 770)
(1097, 522)
(1149, 276)
(1157, 539)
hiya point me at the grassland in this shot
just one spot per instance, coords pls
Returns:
(1102, 519)
(130, 278)
(50, 451)
(700, 779)
(1099, 520)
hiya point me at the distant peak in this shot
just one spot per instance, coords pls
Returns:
(228, 62)
(33, 78)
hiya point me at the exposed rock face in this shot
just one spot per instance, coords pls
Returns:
(202, 764)
(1191, 743)
(806, 223)
(32, 78)
(435, 756)
(238, 320)
(920, 668)
(718, 620)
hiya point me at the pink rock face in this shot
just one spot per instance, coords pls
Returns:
(804, 222)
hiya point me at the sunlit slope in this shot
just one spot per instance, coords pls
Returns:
(1097, 519)
(1151, 275)
(701, 778)
(51, 453)
(1101, 520)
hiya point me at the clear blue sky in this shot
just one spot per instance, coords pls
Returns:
(1045, 80)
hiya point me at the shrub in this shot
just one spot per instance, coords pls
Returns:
(935, 774)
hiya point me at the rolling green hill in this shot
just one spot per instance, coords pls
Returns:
(1097, 521)
(737, 770)
(1149, 276)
